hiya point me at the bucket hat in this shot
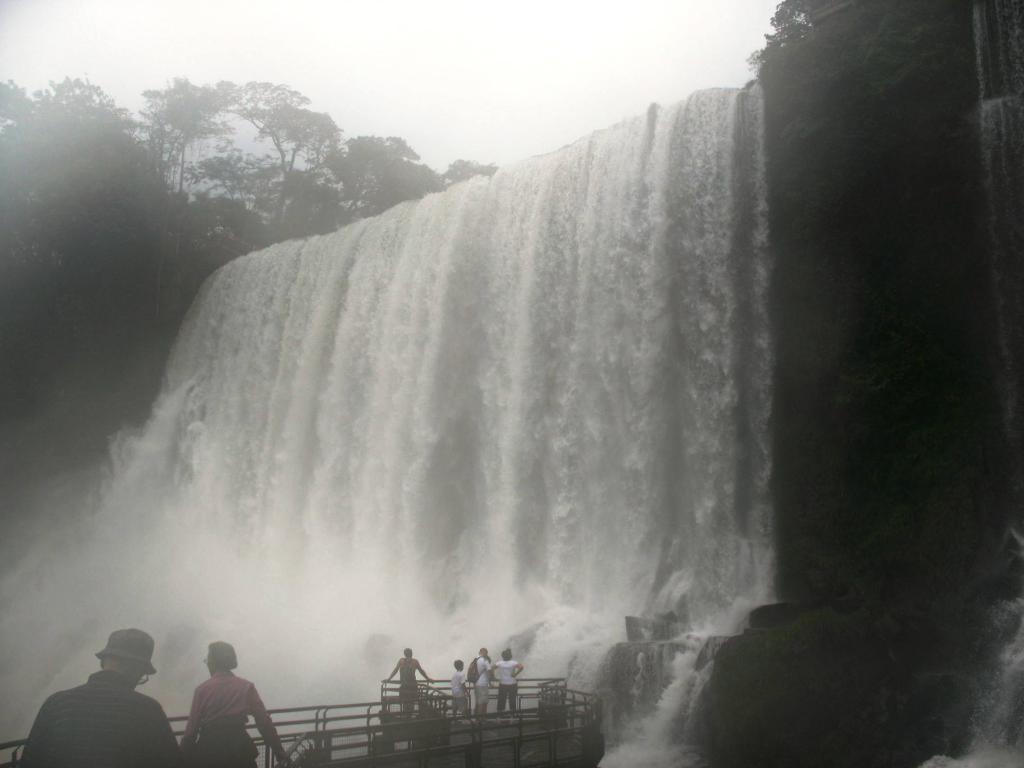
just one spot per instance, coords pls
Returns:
(131, 644)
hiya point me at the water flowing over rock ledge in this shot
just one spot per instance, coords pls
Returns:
(547, 390)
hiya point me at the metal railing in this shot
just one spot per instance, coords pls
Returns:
(436, 695)
(550, 719)
(295, 725)
(551, 725)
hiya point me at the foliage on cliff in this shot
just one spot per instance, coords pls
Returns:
(888, 478)
(885, 408)
(109, 222)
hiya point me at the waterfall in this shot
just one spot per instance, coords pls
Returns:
(521, 408)
(999, 30)
(999, 36)
(999, 45)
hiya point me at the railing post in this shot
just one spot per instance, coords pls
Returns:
(593, 746)
(318, 745)
(519, 743)
(474, 753)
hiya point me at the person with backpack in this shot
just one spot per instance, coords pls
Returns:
(480, 676)
(507, 671)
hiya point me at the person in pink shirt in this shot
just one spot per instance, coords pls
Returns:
(215, 735)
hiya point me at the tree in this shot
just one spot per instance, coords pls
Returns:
(109, 225)
(303, 139)
(82, 103)
(15, 106)
(791, 22)
(313, 205)
(376, 173)
(460, 170)
(178, 118)
(99, 261)
(247, 178)
(79, 238)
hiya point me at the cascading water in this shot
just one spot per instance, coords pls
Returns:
(538, 400)
(999, 35)
(999, 42)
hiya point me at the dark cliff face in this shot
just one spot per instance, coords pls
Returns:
(889, 459)
(885, 409)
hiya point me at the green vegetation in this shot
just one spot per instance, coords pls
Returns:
(109, 223)
(885, 405)
(889, 463)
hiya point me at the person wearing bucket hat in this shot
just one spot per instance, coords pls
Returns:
(106, 722)
(132, 646)
(215, 734)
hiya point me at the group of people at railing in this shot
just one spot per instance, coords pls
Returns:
(106, 722)
(477, 678)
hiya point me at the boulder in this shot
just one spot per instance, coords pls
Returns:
(774, 615)
(831, 689)
(805, 694)
(638, 630)
(633, 677)
(663, 627)
(666, 626)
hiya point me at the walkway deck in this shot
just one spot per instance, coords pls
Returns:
(554, 726)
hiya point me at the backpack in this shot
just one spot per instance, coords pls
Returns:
(473, 673)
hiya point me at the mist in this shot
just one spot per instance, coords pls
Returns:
(675, 346)
(457, 78)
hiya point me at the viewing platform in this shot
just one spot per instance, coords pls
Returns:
(554, 726)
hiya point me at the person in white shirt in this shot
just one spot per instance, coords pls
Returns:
(460, 696)
(481, 688)
(507, 671)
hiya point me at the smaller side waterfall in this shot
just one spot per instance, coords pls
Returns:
(999, 36)
(999, 32)
(999, 43)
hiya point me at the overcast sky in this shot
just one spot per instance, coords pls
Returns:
(478, 79)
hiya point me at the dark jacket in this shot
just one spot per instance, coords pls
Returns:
(102, 724)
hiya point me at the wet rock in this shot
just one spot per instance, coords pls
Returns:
(831, 689)
(637, 629)
(663, 627)
(666, 626)
(774, 615)
(709, 650)
(936, 716)
(806, 694)
(633, 677)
